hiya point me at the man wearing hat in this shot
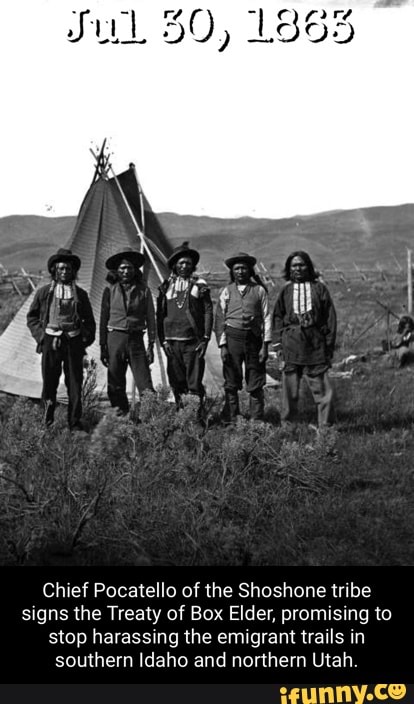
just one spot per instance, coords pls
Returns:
(184, 322)
(62, 323)
(127, 311)
(243, 331)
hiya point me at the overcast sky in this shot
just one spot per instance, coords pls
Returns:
(260, 129)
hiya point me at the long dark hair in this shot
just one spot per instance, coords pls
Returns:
(313, 274)
(53, 272)
(174, 266)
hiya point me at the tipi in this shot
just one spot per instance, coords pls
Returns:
(113, 214)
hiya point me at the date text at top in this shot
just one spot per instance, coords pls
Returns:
(200, 25)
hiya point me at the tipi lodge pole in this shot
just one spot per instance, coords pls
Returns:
(141, 199)
(143, 244)
(140, 234)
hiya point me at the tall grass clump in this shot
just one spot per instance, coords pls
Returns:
(159, 487)
(163, 490)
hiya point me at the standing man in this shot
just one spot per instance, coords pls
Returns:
(185, 321)
(243, 333)
(304, 324)
(127, 311)
(62, 323)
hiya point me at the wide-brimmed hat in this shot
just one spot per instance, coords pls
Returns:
(63, 255)
(240, 257)
(131, 255)
(183, 251)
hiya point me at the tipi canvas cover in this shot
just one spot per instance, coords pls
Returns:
(114, 214)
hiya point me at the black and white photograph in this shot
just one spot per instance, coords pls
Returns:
(206, 288)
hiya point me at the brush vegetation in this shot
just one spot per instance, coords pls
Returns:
(158, 488)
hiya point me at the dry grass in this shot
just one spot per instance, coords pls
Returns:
(166, 491)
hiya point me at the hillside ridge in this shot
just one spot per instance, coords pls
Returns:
(366, 236)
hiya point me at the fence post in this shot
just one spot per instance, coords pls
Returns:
(361, 273)
(388, 331)
(409, 283)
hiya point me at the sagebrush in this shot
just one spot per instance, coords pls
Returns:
(158, 488)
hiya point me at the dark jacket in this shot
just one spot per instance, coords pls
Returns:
(305, 344)
(199, 311)
(139, 313)
(38, 315)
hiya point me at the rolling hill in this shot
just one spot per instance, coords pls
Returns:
(366, 236)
